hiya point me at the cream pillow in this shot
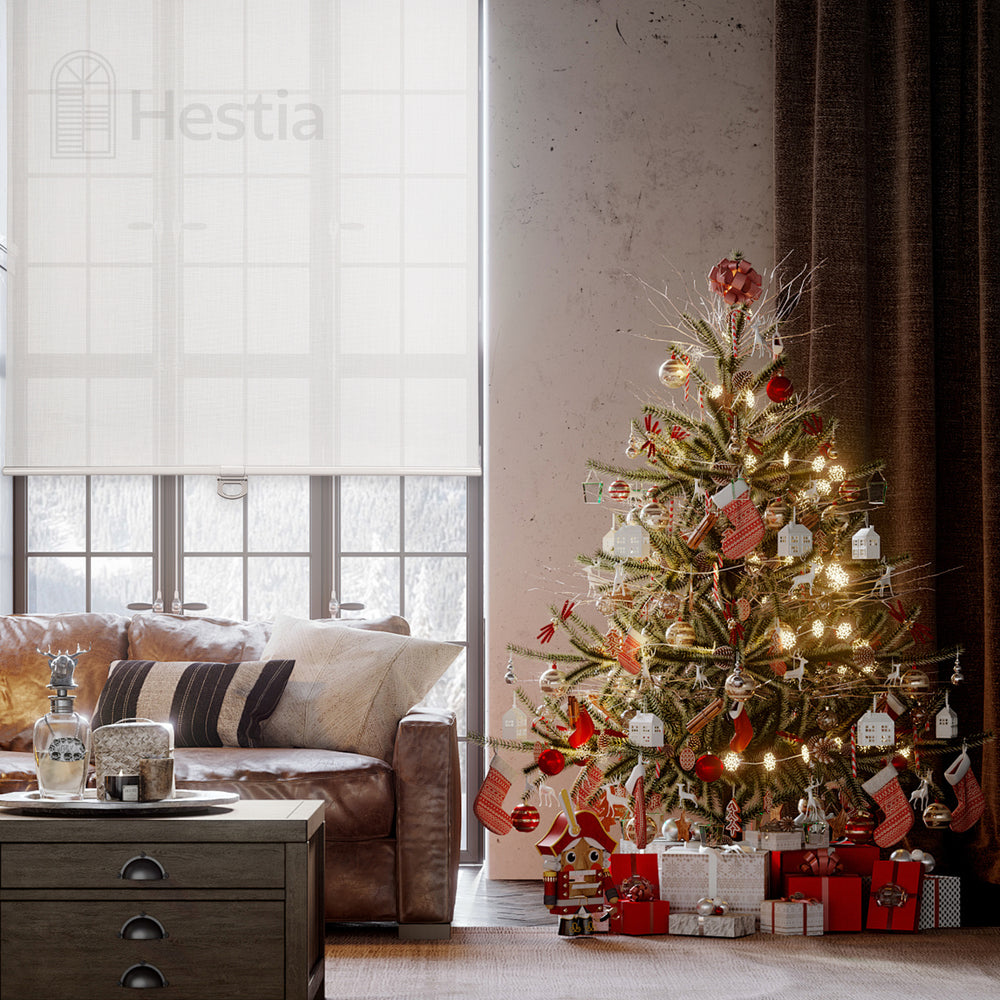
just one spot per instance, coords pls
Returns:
(349, 688)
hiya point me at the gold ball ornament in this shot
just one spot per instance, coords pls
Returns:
(552, 682)
(674, 372)
(740, 686)
(915, 682)
(937, 816)
(680, 635)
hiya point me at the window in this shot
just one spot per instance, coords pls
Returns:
(406, 545)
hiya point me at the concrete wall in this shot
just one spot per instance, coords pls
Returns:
(627, 141)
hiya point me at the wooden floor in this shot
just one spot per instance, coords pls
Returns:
(482, 903)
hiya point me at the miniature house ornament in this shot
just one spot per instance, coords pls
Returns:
(866, 543)
(627, 541)
(645, 730)
(794, 540)
(515, 724)
(946, 722)
(876, 729)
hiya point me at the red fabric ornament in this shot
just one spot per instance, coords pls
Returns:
(525, 817)
(735, 280)
(708, 767)
(779, 388)
(743, 733)
(551, 761)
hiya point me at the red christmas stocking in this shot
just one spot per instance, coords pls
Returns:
(970, 796)
(748, 527)
(488, 805)
(885, 789)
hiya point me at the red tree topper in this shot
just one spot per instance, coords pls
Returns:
(735, 280)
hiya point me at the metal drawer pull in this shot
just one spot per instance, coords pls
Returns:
(142, 928)
(142, 976)
(142, 869)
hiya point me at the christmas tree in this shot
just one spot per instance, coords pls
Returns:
(743, 638)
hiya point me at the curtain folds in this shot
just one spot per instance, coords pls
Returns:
(887, 167)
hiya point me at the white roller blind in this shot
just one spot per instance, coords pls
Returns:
(243, 235)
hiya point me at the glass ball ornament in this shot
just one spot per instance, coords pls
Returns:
(653, 515)
(708, 767)
(708, 907)
(631, 450)
(776, 515)
(605, 604)
(525, 817)
(826, 719)
(552, 682)
(779, 388)
(915, 682)
(650, 830)
(860, 827)
(674, 372)
(680, 635)
(740, 686)
(668, 831)
(926, 859)
(551, 761)
(619, 490)
(632, 517)
(900, 854)
(937, 816)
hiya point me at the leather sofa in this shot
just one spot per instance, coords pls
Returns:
(393, 828)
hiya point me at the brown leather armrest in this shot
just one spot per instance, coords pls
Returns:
(428, 815)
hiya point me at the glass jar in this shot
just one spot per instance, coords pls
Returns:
(62, 751)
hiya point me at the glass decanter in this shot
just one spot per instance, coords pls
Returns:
(62, 735)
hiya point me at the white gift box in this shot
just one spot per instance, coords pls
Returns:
(732, 925)
(688, 874)
(796, 917)
(774, 840)
(940, 902)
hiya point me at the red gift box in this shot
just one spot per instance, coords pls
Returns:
(894, 904)
(840, 895)
(652, 917)
(647, 866)
(856, 859)
(812, 861)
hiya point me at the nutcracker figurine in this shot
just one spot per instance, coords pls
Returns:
(576, 880)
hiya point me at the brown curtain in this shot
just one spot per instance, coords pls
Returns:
(887, 168)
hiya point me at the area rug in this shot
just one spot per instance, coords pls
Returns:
(514, 963)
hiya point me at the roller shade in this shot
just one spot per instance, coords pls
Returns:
(243, 234)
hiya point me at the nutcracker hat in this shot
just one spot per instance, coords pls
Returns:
(561, 834)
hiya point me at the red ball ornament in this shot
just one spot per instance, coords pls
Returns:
(619, 490)
(779, 388)
(708, 767)
(525, 817)
(900, 763)
(860, 827)
(735, 280)
(551, 761)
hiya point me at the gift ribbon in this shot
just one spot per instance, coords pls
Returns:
(822, 862)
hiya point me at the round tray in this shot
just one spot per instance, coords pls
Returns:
(184, 801)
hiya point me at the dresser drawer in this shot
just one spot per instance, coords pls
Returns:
(145, 866)
(209, 951)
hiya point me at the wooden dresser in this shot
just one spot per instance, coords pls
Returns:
(225, 905)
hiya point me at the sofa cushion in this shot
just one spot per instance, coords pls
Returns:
(24, 672)
(358, 790)
(222, 640)
(208, 704)
(349, 688)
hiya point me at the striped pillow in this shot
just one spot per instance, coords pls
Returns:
(209, 704)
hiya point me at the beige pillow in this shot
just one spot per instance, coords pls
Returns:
(349, 688)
